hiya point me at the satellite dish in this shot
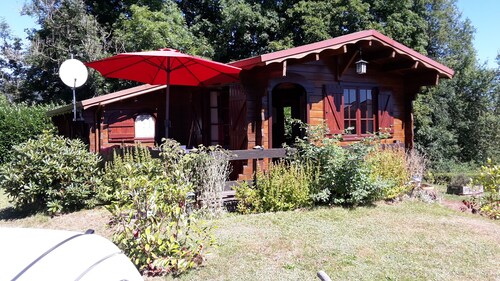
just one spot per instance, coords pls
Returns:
(73, 73)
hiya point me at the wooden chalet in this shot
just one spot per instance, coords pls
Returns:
(314, 83)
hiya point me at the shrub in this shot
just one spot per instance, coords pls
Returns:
(283, 187)
(341, 176)
(18, 123)
(326, 156)
(416, 164)
(390, 165)
(490, 179)
(51, 173)
(351, 182)
(460, 180)
(155, 224)
(131, 161)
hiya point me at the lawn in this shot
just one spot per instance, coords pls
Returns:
(405, 241)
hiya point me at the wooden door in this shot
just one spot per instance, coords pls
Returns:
(238, 138)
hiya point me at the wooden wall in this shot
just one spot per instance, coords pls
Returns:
(112, 125)
(313, 76)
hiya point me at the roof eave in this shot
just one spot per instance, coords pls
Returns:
(338, 42)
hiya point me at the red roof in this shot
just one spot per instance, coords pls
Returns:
(338, 42)
(108, 98)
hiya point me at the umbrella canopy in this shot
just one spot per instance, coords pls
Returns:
(166, 67)
(153, 68)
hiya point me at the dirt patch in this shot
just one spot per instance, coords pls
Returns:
(455, 205)
(96, 219)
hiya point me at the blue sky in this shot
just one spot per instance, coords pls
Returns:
(484, 15)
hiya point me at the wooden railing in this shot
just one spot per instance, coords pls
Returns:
(258, 154)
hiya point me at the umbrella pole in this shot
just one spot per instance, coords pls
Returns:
(167, 102)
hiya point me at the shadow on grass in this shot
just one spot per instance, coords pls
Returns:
(11, 213)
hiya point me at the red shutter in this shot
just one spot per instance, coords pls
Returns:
(120, 127)
(333, 105)
(385, 111)
(237, 117)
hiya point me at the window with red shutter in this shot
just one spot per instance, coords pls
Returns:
(359, 115)
(358, 111)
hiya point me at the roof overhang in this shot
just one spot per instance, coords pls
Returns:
(107, 99)
(368, 37)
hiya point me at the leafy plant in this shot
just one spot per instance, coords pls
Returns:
(351, 182)
(155, 223)
(52, 174)
(490, 179)
(341, 175)
(18, 123)
(389, 164)
(460, 180)
(285, 186)
(130, 161)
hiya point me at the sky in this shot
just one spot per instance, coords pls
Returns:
(484, 15)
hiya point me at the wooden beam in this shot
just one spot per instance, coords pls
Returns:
(380, 55)
(426, 79)
(284, 68)
(400, 65)
(346, 66)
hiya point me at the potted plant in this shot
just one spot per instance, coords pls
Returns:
(462, 185)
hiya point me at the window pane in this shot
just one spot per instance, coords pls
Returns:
(144, 126)
(369, 104)
(354, 105)
(369, 128)
(362, 103)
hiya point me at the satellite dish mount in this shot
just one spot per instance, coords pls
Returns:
(74, 74)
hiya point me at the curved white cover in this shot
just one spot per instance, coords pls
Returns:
(41, 254)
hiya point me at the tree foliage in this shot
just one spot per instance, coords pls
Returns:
(145, 29)
(18, 123)
(65, 29)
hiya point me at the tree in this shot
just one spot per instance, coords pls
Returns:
(455, 122)
(65, 29)
(145, 29)
(11, 63)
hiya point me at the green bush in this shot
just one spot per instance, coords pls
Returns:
(129, 162)
(283, 187)
(156, 225)
(351, 183)
(490, 180)
(18, 123)
(326, 156)
(389, 165)
(341, 176)
(52, 174)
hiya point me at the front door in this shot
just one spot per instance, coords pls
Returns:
(289, 110)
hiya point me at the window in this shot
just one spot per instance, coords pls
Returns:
(362, 110)
(359, 117)
(144, 126)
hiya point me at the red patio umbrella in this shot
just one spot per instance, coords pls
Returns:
(166, 67)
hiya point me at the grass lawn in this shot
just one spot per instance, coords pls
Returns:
(405, 241)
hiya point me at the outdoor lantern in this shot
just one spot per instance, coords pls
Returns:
(361, 65)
